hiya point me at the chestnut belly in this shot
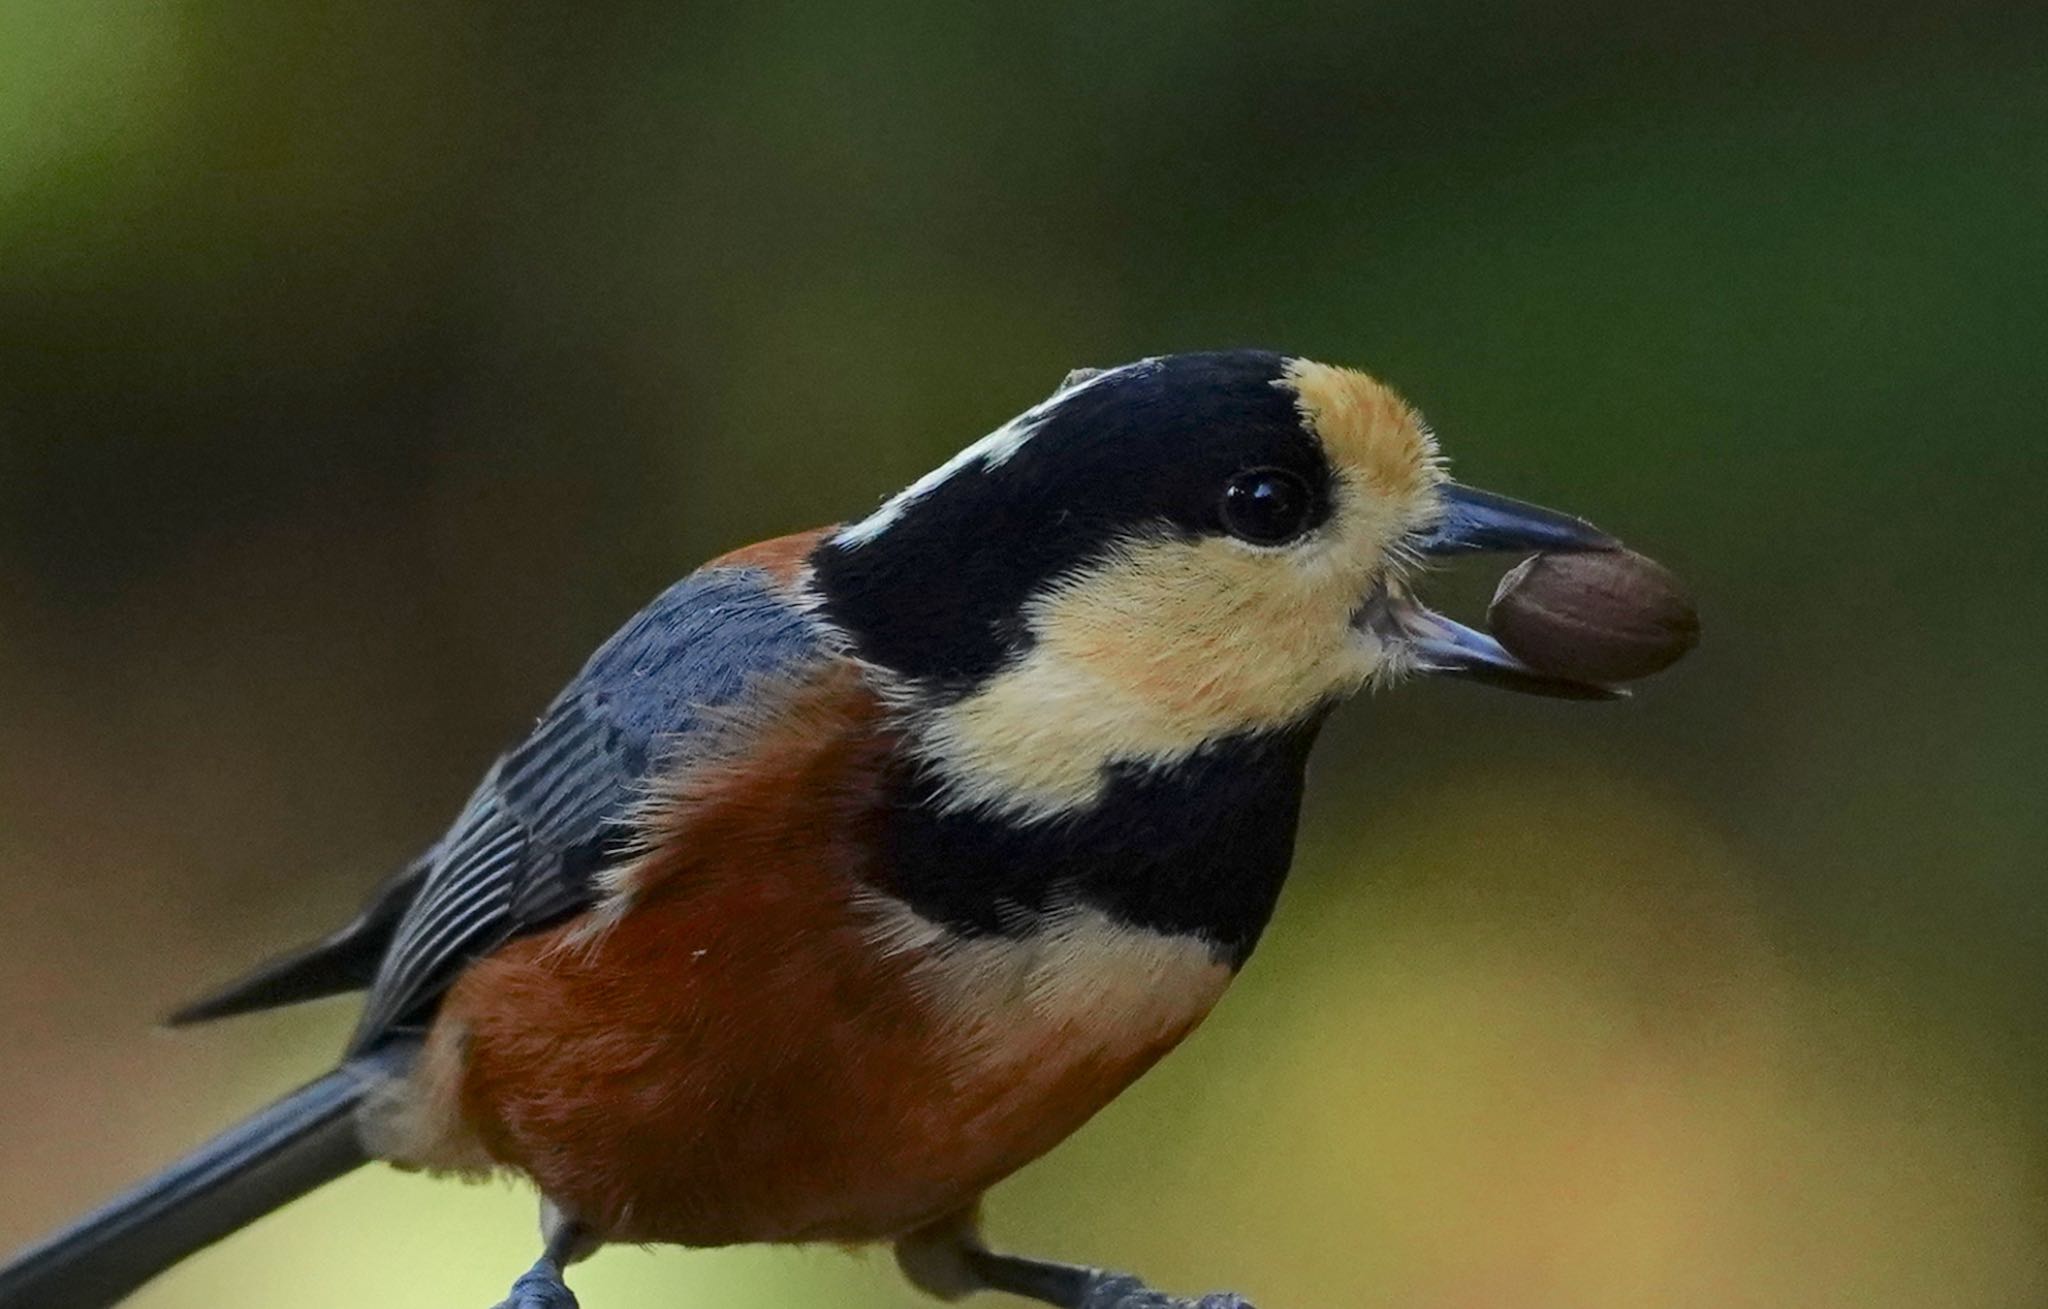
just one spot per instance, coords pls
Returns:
(756, 1061)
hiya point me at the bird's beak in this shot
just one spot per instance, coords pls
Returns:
(1476, 521)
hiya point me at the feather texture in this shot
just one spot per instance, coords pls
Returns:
(560, 806)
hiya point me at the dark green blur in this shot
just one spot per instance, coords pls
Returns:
(361, 366)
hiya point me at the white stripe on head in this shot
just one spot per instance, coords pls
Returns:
(991, 451)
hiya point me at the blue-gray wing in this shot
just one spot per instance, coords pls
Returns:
(555, 809)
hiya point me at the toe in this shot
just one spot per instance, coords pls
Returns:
(541, 1288)
(1115, 1291)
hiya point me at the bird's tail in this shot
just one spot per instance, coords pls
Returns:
(269, 1159)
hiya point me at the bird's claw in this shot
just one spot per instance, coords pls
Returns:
(1122, 1291)
(540, 1287)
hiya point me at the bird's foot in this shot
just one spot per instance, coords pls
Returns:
(974, 1266)
(540, 1287)
(1106, 1290)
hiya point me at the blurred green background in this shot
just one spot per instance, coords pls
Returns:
(361, 366)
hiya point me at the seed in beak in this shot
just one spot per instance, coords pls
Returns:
(1594, 616)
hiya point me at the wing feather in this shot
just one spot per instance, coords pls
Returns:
(558, 807)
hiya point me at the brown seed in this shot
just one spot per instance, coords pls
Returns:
(1598, 616)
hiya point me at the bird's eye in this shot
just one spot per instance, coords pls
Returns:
(1266, 506)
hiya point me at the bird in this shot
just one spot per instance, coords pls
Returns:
(865, 864)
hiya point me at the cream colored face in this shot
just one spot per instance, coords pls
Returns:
(1168, 642)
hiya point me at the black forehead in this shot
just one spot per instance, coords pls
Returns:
(1147, 449)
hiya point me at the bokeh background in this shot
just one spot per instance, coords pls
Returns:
(361, 366)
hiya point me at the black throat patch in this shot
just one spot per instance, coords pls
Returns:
(1201, 848)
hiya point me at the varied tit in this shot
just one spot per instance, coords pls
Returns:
(864, 865)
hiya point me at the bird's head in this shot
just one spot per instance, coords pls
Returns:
(1159, 557)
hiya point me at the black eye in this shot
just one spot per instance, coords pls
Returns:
(1266, 506)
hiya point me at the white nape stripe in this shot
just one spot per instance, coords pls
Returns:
(991, 451)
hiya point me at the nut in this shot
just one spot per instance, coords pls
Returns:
(1596, 616)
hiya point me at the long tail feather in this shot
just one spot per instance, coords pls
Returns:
(263, 1162)
(341, 962)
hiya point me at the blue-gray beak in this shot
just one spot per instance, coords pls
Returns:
(1445, 645)
(1478, 521)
